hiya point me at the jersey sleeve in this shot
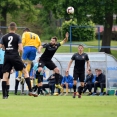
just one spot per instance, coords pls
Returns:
(59, 44)
(87, 58)
(73, 57)
(19, 39)
(45, 45)
(1, 41)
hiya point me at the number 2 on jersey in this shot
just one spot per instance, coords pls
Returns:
(10, 38)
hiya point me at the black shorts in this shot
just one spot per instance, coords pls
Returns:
(80, 75)
(49, 64)
(39, 77)
(1, 73)
(12, 61)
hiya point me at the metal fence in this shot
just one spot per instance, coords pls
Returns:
(106, 62)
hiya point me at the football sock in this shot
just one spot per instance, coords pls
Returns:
(80, 89)
(28, 83)
(19, 74)
(35, 88)
(16, 86)
(4, 88)
(74, 87)
(66, 90)
(39, 89)
(28, 67)
(56, 78)
(7, 89)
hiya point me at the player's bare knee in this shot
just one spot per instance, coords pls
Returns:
(5, 76)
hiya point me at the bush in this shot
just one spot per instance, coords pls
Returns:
(80, 33)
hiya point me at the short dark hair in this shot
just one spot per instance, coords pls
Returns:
(12, 25)
(55, 38)
(26, 29)
(96, 69)
(80, 45)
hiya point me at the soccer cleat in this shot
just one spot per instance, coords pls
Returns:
(89, 94)
(33, 94)
(18, 78)
(55, 94)
(22, 80)
(65, 94)
(74, 94)
(79, 96)
(94, 94)
(61, 94)
(57, 86)
(5, 97)
(101, 94)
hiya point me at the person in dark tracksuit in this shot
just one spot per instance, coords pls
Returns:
(88, 82)
(100, 82)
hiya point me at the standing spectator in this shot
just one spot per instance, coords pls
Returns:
(79, 69)
(100, 82)
(67, 82)
(88, 82)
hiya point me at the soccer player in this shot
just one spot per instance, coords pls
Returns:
(45, 59)
(11, 43)
(79, 69)
(31, 42)
(38, 76)
(2, 52)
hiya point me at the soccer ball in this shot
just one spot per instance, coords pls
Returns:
(70, 10)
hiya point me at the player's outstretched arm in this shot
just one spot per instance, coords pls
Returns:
(65, 39)
(69, 65)
(39, 49)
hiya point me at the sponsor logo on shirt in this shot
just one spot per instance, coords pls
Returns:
(83, 57)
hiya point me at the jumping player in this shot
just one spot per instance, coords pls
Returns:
(45, 59)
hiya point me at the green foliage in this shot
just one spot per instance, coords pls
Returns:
(14, 7)
(84, 32)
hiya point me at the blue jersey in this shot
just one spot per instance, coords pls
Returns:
(1, 56)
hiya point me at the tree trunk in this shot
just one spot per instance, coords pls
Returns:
(3, 22)
(106, 40)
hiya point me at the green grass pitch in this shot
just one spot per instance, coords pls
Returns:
(58, 106)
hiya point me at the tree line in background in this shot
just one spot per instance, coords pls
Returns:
(44, 17)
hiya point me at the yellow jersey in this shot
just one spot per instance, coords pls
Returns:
(31, 39)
